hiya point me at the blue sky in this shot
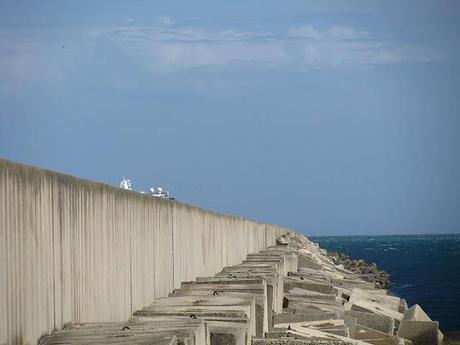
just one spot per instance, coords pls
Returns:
(329, 117)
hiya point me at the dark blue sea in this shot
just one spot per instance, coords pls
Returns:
(425, 268)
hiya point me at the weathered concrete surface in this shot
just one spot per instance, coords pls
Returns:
(223, 314)
(382, 323)
(78, 251)
(258, 291)
(315, 310)
(375, 337)
(375, 308)
(386, 301)
(232, 308)
(190, 332)
(416, 313)
(420, 332)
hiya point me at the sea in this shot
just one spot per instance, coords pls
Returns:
(424, 268)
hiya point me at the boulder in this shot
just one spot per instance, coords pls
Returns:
(282, 240)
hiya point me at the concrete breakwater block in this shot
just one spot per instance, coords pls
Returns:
(308, 263)
(222, 315)
(416, 313)
(379, 292)
(312, 296)
(259, 317)
(190, 332)
(382, 323)
(262, 301)
(276, 260)
(337, 327)
(315, 324)
(300, 303)
(308, 293)
(308, 284)
(375, 308)
(322, 272)
(287, 257)
(316, 307)
(294, 341)
(317, 298)
(291, 260)
(320, 337)
(353, 284)
(322, 278)
(335, 330)
(170, 324)
(259, 271)
(419, 332)
(257, 291)
(304, 316)
(269, 283)
(108, 338)
(372, 336)
(217, 323)
(386, 301)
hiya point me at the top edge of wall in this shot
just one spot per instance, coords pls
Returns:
(31, 172)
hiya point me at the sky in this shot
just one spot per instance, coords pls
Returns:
(328, 117)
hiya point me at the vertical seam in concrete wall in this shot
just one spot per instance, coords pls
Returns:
(173, 222)
(54, 265)
(8, 248)
(130, 269)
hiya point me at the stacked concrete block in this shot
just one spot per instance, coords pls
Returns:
(325, 302)
(244, 290)
(273, 297)
(377, 322)
(375, 308)
(372, 336)
(389, 302)
(419, 332)
(416, 313)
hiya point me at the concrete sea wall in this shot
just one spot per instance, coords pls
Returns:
(72, 250)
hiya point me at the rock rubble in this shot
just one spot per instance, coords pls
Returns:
(294, 293)
(367, 271)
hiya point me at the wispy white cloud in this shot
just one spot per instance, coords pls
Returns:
(334, 33)
(170, 48)
(130, 20)
(166, 21)
(142, 34)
